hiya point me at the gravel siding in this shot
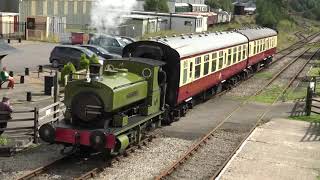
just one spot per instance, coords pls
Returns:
(147, 162)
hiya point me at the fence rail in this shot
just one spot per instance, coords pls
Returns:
(51, 113)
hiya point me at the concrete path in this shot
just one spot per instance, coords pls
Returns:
(281, 149)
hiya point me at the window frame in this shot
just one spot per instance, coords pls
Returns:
(197, 65)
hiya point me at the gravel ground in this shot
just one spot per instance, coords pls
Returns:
(147, 162)
(14, 167)
(208, 159)
(253, 84)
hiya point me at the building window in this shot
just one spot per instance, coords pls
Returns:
(197, 68)
(220, 59)
(188, 23)
(229, 57)
(185, 72)
(206, 65)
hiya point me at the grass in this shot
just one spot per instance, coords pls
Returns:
(315, 118)
(314, 71)
(264, 75)
(268, 96)
(298, 93)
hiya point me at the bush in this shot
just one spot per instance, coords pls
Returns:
(84, 62)
(67, 69)
(94, 60)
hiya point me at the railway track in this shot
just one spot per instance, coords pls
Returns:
(93, 172)
(71, 160)
(200, 152)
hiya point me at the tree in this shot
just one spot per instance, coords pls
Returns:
(156, 5)
(269, 13)
(222, 4)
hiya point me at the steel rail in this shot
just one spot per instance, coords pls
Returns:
(95, 171)
(208, 136)
(263, 115)
(42, 169)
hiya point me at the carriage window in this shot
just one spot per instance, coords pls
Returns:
(198, 68)
(214, 62)
(267, 43)
(244, 51)
(191, 69)
(239, 53)
(255, 47)
(229, 57)
(263, 45)
(235, 55)
(206, 65)
(220, 59)
(185, 72)
(258, 46)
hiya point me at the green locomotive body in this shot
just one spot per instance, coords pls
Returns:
(113, 107)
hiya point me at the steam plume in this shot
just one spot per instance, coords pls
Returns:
(106, 14)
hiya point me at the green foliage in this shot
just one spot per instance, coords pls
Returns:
(309, 8)
(270, 12)
(84, 62)
(156, 5)
(3, 141)
(67, 69)
(312, 118)
(222, 4)
(269, 95)
(94, 59)
(264, 75)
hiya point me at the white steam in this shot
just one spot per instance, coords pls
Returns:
(106, 14)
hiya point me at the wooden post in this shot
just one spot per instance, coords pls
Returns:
(308, 101)
(56, 94)
(36, 126)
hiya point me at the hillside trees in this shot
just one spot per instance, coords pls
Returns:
(269, 13)
(223, 4)
(307, 8)
(156, 5)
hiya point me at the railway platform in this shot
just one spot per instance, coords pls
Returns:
(280, 149)
(16, 138)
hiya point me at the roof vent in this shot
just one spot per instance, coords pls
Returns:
(182, 36)
(190, 36)
(200, 35)
(206, 34)
(174, 35)
(166, 40)
(165, 36)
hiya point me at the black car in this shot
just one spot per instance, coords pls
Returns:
(113, 44)
(101, 52)
(63, 54)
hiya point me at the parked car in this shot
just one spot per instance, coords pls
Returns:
(101, 52)
(113, 44)
(63, 54)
